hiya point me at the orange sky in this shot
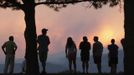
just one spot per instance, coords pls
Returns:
(76, 21)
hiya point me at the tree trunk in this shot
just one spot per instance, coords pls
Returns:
(30, 38)
(129, 37)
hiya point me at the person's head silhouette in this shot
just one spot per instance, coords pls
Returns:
(11, 38)
(44, 31)
(69, 39)
(123, 41)
(113, 41)
(85, 39)
(96, 38)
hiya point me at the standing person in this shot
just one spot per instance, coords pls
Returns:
(9, 48)
(97, 53)
(123, 42)
(43, 41)
(71, 51)
(113, 56)
(85, 47)
(123, 45)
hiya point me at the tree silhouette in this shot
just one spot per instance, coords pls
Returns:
(28, 7)
(129, 37)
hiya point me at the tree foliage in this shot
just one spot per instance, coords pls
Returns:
(55, 4)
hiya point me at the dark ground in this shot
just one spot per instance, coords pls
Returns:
(69, 74)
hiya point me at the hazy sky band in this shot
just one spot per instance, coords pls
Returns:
(76, 21)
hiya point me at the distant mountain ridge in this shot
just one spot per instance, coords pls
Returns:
(59, 65)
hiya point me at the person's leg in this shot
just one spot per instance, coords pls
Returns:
(70, 65)
(44, 62)
(41, 57)
(6, 64)
(111, 68)
(11, 64)
(83, 66)
(114, 68)
(96, 61)
(87, 65)
(99, 67)
(44, 66)
(99, 64)
(74, 63)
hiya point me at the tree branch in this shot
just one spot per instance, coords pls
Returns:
(62, 2)
(11, 4)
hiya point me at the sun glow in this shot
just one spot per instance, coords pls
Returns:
(106, 34)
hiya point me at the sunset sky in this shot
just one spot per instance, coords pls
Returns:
(75, 21)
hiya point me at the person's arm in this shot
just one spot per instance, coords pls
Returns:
(37, 40)
(93, 48)
(66, 50)
(117, 49)
(75, 48)
(3, 48)
(89, 46)
(80, 46)
(108, 47)
(48, 41)
(102, 46)
(15, 48)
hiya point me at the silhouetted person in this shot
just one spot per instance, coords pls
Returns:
(9, 49)
(123, 45)
(43, 41)
(85, 47)
(97, 53)
(71, 51)
(113, 56)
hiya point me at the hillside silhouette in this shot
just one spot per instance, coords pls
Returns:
(61, 65)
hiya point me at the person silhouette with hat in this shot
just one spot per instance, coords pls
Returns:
(43, 41)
